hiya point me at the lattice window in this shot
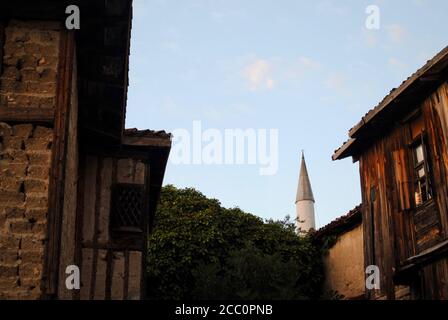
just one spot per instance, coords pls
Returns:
(127, 208)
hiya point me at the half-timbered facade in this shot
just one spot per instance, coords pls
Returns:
(401, 146)
(76, 188)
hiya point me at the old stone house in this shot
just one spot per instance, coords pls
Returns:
(401, 146)
(343, 257)
(76, 188)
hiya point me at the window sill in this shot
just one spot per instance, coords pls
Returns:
(425, 205)
(405, 272)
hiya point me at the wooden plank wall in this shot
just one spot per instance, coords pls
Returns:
(396, 232)
(379, 250)
(436, 113)
(434, 285)
(109, 270)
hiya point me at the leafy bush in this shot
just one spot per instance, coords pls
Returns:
(200, 250)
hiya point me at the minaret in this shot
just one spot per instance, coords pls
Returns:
(304, 202)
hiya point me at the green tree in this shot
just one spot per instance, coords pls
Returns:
(200, 250)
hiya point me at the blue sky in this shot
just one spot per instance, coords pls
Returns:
(310, 69)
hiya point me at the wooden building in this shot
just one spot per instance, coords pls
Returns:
(401, 146)
(76, 188)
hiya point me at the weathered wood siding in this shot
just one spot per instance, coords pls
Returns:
(68, 227)
(394, 229)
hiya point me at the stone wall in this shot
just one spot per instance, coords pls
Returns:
(30, 65)
(29, 79)
(344, 265)
(25, 157)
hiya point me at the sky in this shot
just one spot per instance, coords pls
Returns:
(308, 69)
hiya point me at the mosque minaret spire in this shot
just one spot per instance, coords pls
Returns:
(304, 202)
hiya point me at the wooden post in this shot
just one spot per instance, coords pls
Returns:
(2, 43)
(56, 188)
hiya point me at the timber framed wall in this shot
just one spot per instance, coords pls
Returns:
(111, 267)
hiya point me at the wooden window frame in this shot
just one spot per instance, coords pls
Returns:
(421, 139)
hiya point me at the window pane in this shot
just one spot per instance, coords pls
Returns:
(418, 198)
(418, 151)
(424, 194)
(127, 208)
(421, 173)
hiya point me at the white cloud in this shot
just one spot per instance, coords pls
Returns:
(419, 2)
(396, 64)
(309, 64)
(331, 7)
(300, 67)
(259, 74)
(222, 15)
(336, 82)
(396, 33)
(265, 74)
(371, 39)
(219, 112)
(170, 107)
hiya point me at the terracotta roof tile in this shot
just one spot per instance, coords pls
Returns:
(342, 224)
(147, 133)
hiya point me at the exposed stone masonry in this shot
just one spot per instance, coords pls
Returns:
(30, 64)
(25, 158)
(29, 79)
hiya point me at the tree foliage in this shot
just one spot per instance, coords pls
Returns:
(200, 250)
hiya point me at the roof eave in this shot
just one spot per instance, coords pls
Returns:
(344, 151)
(342, 224)
(440, 57)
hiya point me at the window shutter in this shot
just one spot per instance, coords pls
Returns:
(402, 178)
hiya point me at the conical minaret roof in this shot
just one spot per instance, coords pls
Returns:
(304, 191)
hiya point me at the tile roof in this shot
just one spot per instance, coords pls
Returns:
(342, 224)
(438, 62)
(147, 133)
(395, 92)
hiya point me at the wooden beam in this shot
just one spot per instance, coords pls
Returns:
(57, 174)
(19, 114)
(44, 10)
(2, 43)
(147, 141)
(341, 153)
